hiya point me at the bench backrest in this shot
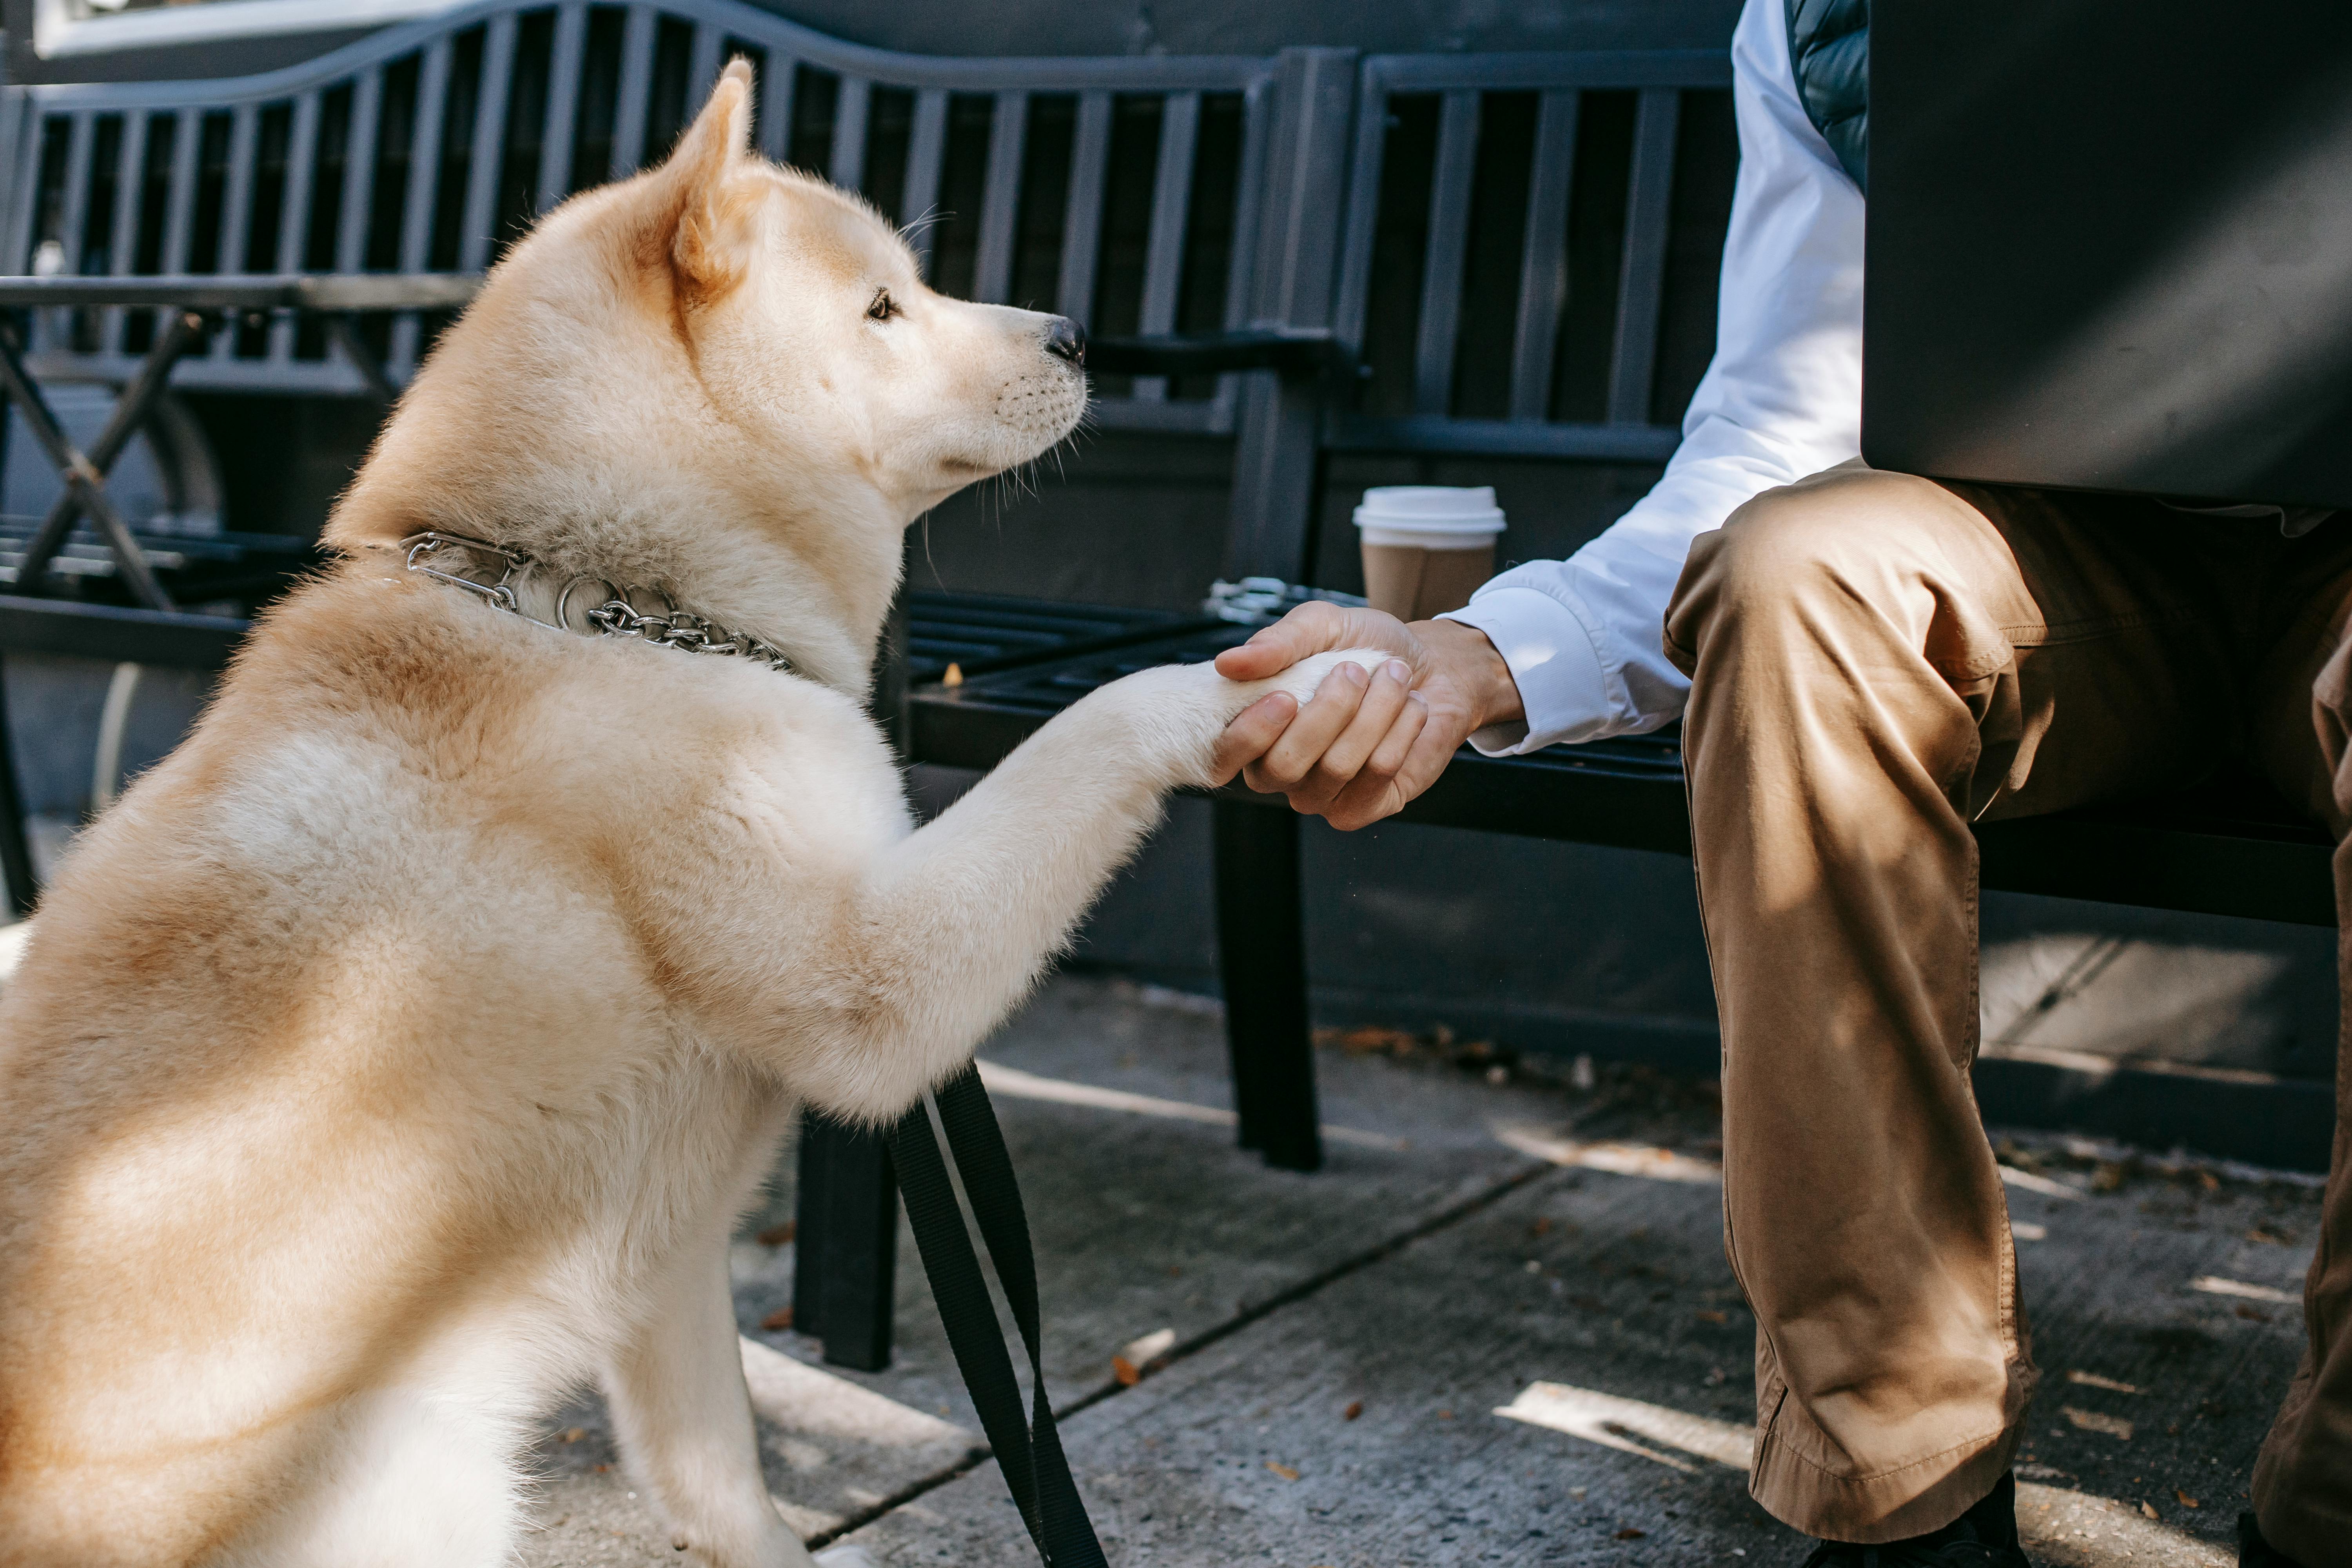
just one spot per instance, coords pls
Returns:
(1120, 191)
(1502, 239)
(1514, 225)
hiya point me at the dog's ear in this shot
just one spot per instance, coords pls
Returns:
(709, 212)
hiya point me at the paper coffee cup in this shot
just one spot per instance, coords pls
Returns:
(1426, 547)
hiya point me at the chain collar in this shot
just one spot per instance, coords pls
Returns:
(615, 617)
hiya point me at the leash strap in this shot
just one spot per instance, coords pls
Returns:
(1028, 1449)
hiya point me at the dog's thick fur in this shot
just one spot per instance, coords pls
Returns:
(395, 1056)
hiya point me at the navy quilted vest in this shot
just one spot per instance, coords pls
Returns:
(1828, 45)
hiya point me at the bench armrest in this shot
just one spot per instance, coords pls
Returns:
(1292, 351)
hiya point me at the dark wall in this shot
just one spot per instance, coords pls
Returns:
(1052, 27)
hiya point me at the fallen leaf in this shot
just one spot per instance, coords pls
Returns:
(1542, 1228)
(777, 1234)
(2253, 1314)
(1445, 1416)
(573, 1434)
(1711, 1315)
(2271, 1234)
(2109, 1177)
(778, 1320)
(2114, 1426)
(1284, 1471)
(602, 1468)
(2093, 1380)
(1355, 1408)
(954, 677)
(2150, 1509)
(1630, 1533)
(1370, 1040)
(2186, 1500)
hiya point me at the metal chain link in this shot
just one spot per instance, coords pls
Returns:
(681, 629)
(616, 617)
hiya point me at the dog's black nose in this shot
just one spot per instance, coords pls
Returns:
(1064, 339)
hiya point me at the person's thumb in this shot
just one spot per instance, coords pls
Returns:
(1311, 628)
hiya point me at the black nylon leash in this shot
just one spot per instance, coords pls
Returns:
(1028, 1449)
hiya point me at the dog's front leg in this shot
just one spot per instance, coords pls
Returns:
(952, 925)
(684, 1417)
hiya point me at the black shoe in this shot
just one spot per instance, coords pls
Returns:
(1984, 1537)
(2253, 1552)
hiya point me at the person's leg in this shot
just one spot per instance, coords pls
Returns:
(1875, 661)
(2302, 1479)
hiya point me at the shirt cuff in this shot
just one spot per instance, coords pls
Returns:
(1562, 687)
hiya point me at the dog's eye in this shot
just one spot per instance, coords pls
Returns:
(883, 308)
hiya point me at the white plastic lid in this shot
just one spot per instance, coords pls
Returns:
(1466, 512)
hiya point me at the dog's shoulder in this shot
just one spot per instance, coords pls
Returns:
(369, 706)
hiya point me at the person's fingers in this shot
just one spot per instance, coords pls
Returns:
(1388, 756)
(1311, 628)
(1384, 699)
(1255, 729)
(1427, 757)
(1327, 713)
(1374, 792)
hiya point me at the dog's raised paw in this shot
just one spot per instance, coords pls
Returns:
(1303, 680)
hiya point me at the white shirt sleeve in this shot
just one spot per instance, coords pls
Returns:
(1782, 399)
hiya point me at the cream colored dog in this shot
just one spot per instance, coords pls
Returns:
(395, 1057)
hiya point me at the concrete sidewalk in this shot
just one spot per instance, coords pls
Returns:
(1498, 1327)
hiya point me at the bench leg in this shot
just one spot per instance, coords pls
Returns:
(846, 1246)
(1261, 951)
(15, 849)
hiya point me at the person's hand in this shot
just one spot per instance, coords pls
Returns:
(1362, 747)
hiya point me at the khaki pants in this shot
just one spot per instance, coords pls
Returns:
(1875, 661)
